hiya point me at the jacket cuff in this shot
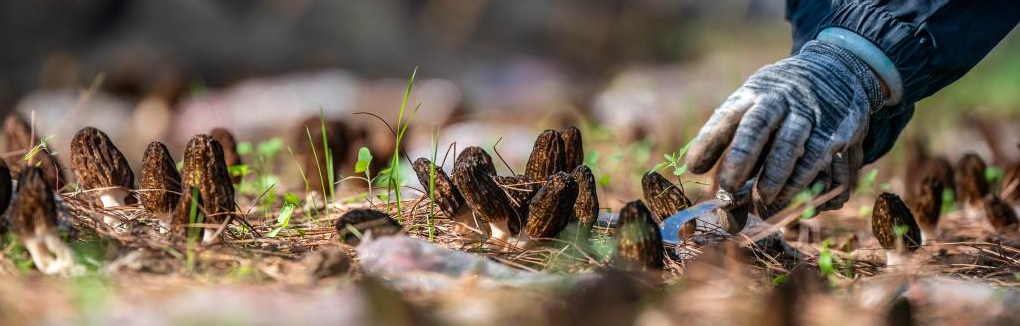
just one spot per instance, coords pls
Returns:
(907, 45)
(871, 55)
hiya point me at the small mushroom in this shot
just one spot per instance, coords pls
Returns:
(586, 208)
(229, 145)
(20, 138)
(999, 214)
(33, 219)
(365, 222)
(547, 157)
(447, 197)
(970, 179)
(520, 190)
(161, 183)
(638, 241)
(101, 169)
(473, 176)
(205, 169)
(573, 147)
(552, 207)
(927, 208)
(666, 199)
(890, 214)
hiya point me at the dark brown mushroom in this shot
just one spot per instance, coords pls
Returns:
(638, 241)
(473, 176)
(205, 169)
(447, 197)
(365, 222)
(971, 184)
(665, 199)
(890, 214)
(573, 147)
(312, 147)
(552, 207)
(477, 156)
(33, 219)
(18, 136)
(229, 145)
(520, 190)
(586, 208)
(161, 183)
(101, 169)
(927, 208)
(999, 214)
(547, 157)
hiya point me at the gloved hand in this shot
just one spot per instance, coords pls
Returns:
(793, 123)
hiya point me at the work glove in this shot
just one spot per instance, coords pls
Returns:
(795, 123)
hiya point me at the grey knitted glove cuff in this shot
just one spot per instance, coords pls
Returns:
(869, 81)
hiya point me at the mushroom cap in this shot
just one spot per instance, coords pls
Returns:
(160, 179)
(940, 169)
(18, 137)
(482, 194)
(97, 163)
(547, 157)
(228, 143)
(205, 169)
(970, 178)
(477, 156)
(665, 199)
(889, 213)
(928, 203)
(552, 207)
(520, 190)
(573, 147)
(638, 241)
(447, 197)
(1001, 215)
(34, 208)
(586, 208)
(363, 220)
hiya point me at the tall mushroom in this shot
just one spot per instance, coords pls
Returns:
(894, 227)
(473, 174)
(161, 183)
(547, 157)
(573, 147)
(999, 214)
(447, 197)
(365, 222)
(666, 199)
(971, 184)
(33, 219)
(927, 208)
(101, 169)
(205, 170)
(638, 241)
(586, 208)
(20, 137)
(551, 208)
(229, 145)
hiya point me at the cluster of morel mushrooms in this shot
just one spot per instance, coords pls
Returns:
(508, 212)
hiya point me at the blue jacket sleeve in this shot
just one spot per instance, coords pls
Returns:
(932, 43)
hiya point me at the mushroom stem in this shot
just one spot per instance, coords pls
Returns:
(928, 235)
(500, 231)
(209, 237)
(49, 254)
(113, 197)
(896, 258)
(164, 221)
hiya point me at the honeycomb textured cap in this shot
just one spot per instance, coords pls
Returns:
(34, 208)
(161, 183)
(970, 178)
(586, 208)
(205, 169)
(664, 197)
(476, 156)
(97, 163)
(573, 147)
(552, 207)
(638, 241)
(547, 157)
(890, 213)
(481, 193)
(446, 195)
(365, 220)
(520, 190)
(928, 202)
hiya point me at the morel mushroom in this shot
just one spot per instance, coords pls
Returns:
(101, 168)
(586, 208)
(573, 147)
(547, 157)
(999, 214)
(365, 222)
(229, 145)
(638, 241)
(447, 197)
(18, 136)
(33, 219)
(666, 199)
(927, 207)
(161, 183)
(970, 179)
(473, 176)
(894, 227)
(205, 169)
(551, 208)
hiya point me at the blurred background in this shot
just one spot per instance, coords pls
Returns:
(638, 76)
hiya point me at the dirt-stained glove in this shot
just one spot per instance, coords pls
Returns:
(793, 123)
